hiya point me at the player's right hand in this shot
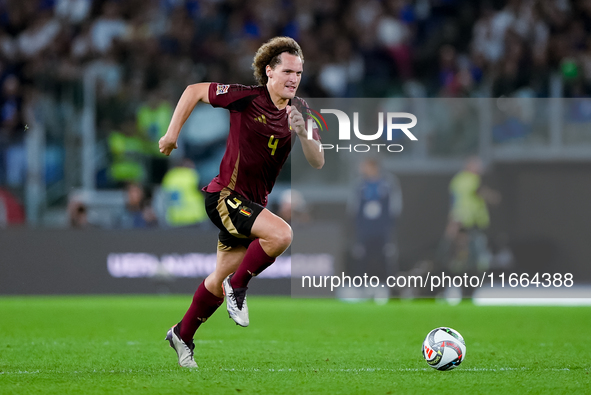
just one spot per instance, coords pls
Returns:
(166, 145)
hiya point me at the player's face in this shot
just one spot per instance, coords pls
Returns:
(285, 78)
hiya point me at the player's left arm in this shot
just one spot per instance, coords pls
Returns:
(312, 148)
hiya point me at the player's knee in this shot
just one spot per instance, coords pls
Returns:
(282, 238)
(285, 237)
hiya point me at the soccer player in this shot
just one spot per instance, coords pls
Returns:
(264, 121)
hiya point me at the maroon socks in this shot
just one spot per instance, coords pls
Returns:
(255, 261)
(204, 305)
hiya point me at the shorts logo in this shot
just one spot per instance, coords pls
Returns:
(222, 89)
(245, 211)
(234, 204)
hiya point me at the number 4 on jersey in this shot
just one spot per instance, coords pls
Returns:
(273, 144)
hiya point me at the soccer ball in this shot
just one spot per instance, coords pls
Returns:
(444, 348)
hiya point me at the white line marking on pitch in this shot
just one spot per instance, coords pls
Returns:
(368, 370)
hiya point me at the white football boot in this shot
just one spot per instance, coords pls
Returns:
(183, 350)
(236, 302)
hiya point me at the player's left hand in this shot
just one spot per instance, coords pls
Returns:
(296, 121)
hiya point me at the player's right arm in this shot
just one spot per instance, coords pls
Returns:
(192, 95)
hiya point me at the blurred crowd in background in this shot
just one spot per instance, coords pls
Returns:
(143, 53)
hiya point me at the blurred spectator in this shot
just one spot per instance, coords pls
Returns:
(469, 197)
(395, 36)
(109, 26)
(39, 35)
(138, 212)
(340, 76)
(11, 211)
(184, 202)
(448, 70)
(77, 214)
(153, 118)
(12, 134)
(487, 36)
(465, 246)
(81, 46)
(375, 207)
(204, 139)
(129, 154)
(293, 207)
(73, 11)
(109, 75)
(516, 116)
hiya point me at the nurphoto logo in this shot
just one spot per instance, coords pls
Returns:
(392, 120)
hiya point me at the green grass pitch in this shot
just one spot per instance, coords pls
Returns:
(115, 345)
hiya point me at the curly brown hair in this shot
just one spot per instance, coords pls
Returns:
(270, 54)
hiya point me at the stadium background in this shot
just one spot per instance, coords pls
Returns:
(88, 88)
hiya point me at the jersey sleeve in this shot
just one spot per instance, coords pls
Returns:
(307, 113)
(230, 96)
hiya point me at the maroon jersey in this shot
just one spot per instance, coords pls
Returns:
(259, 141)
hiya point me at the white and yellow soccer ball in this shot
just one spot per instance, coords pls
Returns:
(444, 348)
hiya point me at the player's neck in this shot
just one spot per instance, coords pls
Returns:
(279, 101)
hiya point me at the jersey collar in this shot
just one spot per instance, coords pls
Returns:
(271, 100)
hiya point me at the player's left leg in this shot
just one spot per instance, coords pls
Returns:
(245, 223)
(272, 237)
(206, 300)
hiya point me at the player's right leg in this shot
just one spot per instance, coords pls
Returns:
(227, 262)
(184, 349)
